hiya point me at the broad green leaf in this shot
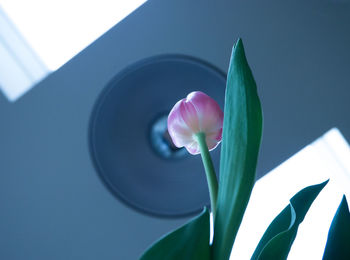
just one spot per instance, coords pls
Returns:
(279, 236)
(239, 151)
(189, 242)
(338, 246)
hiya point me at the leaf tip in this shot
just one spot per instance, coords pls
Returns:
(324, 183)
(238, 46)
(239, 42)
(344, 203)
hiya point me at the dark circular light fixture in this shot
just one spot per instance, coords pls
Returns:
(161, 142)
(129, 144)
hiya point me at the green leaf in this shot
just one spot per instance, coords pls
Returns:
(239, 151)
(279, 236)
(337, 246)
(191, 241)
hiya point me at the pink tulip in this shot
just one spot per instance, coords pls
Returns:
(197, 113)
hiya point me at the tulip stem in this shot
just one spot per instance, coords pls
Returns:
(209, 170)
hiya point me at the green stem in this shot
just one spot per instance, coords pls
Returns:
(209, 171)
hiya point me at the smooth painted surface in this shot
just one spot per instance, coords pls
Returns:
(20, 67)
(56, 40)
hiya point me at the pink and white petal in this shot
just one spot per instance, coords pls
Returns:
(198, 112)
(189, 115)
(193, 148)
(210, 114)
(179, 131)
(213, 147)
(174, 115)
(215, 135)
(211, 143)
(181, 140)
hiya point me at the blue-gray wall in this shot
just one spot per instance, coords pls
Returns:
(52, 203)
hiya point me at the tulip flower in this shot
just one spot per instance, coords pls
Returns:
(195, 122)
(197, 113)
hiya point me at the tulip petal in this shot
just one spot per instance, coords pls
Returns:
(180, 136)
(189, 115)
(215, 135)
(210, 115)
(179, 131)
(193, 148)
(196, 113)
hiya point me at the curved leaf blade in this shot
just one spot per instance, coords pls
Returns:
(191, 241)
(279, 236)
(239, 151)
(337, 246)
